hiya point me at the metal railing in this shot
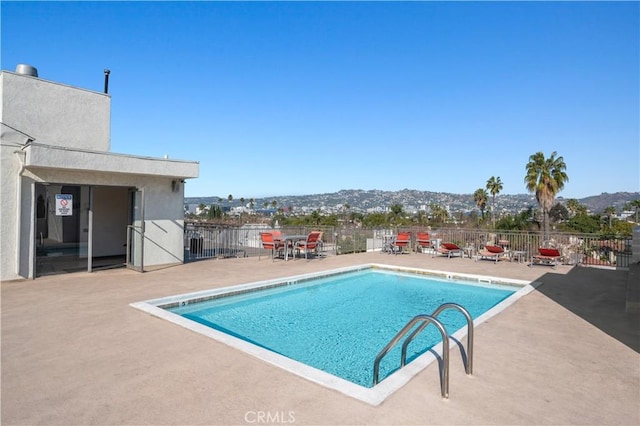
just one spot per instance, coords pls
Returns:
(468, 367)
(426, 319)
(204, 241)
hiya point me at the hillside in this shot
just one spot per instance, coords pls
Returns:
(376, 200)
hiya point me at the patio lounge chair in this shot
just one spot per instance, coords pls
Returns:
(450, 250)
(491, 253)
(547, 256)
(269, 243)
(422, 241)
(401, 242)
(311, 244)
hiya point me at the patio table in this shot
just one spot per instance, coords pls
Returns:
(518, 255)
(469, 251)
(291, 239)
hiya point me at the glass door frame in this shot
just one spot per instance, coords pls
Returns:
(135, 230)
(45, 212)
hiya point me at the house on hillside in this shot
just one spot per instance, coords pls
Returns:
(68, 203)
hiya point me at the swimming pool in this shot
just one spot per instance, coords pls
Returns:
(329, 327)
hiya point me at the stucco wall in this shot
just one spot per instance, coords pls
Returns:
(164, 234)
(8, 213)
(55, 114)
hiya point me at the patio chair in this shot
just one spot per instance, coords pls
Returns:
(547, 256)
(422, 241)
(311, 244)
(401, 242)
(450, 250)
(491, 252)
(269, 243)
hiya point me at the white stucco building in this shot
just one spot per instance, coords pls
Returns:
(67, 202)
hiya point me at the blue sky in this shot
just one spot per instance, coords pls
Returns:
(294, 98)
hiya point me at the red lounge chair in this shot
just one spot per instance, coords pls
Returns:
(401, 242)
(422, 241)
(311, 244)
(450, 250)
(491, 253)
(269, 243)
(547, 256)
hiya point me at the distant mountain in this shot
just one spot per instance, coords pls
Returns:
(411, 200)
(597, 203)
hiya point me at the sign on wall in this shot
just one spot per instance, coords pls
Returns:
(64, 205)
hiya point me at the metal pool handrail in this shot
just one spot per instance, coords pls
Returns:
(469, 364)
(426, 319)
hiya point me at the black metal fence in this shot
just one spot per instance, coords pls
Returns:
(205, 241)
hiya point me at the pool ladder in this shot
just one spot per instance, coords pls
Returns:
(424, 321)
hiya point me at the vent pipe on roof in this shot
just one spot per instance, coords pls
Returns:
(25, 69)
(106, 81)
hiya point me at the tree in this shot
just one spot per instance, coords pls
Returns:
(480, 197)
(438, 213)
(230, 198)
(635, 204)
(575, 207)
(494, 186)
(274, 203)
(315, 217)
(559, 213)
(610, 211)
(396, 212)
(583, 223)
(345, 209)
(545, 177)
(375, 220)
(215, 212)
(520, 222)
(421, 217)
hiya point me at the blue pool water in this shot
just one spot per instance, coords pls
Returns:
(339, 323)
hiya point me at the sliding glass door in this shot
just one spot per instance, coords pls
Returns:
(62, 228)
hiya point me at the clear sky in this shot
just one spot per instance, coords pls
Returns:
(295, 98)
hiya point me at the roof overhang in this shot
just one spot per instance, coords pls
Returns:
(55, 157)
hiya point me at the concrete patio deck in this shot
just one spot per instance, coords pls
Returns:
(75, 353)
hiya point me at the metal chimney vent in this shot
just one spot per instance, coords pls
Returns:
(25, 69)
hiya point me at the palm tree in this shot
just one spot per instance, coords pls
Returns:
(345, 208)
(573, 206)
(610, 211)
(230, 198)
(545, 177)
(421, 216)
(480, 197)
(438, 213)
(494, 185)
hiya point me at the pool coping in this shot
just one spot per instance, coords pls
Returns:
(373, 396)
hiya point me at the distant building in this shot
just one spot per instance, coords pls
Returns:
(68, 203)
